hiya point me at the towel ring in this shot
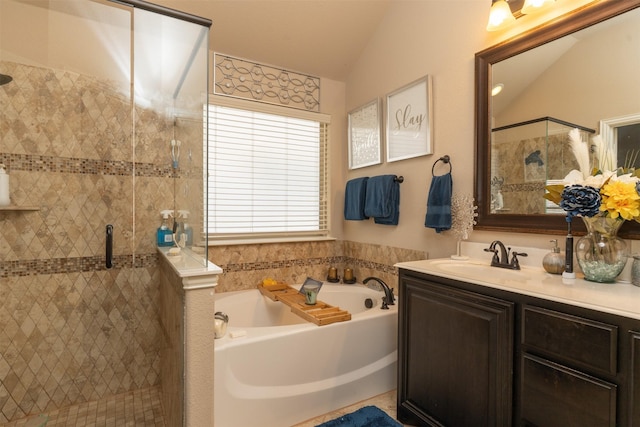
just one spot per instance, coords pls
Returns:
(444, 159)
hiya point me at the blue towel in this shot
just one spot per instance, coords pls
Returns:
(354, 196)
(382, 201)
(439, 203)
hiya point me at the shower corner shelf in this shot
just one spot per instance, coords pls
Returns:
(12, 208)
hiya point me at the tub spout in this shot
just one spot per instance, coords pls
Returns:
(388, 292)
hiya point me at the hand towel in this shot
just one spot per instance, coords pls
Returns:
(382, 201)
(439, 203)
(354, 197)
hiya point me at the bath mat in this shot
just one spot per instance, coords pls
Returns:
(369, 416)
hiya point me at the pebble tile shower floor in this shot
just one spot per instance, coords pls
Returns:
(140, 408)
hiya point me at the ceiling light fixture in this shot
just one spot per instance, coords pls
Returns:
(500, 16)
(497, 88)
(533, 6)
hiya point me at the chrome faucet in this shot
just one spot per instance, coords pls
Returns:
(388, 298)
(502, 260)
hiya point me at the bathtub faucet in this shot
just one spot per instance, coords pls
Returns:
(388, 298)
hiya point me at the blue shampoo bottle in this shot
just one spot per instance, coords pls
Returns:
(164, 234)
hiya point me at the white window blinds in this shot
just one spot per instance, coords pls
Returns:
(267, 174)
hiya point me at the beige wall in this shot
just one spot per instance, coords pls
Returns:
(439, 38)
(588, 91)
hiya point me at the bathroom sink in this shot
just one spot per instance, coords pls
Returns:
(478, 269)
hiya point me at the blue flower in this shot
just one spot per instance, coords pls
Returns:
(580, 200)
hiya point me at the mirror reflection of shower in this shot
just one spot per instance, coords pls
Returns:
(497, 200)
(4, 79)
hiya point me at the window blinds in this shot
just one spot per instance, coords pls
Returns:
(267, 174)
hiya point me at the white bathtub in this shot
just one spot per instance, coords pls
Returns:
(286, 370)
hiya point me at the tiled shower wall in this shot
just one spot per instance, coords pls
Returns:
(524, 186)
(73, 331)
(245, 266)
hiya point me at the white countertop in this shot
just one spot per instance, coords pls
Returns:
(187, 263)
(622, 299)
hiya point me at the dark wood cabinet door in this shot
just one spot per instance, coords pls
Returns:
(554, 395)
(455, 356)
(634, 377)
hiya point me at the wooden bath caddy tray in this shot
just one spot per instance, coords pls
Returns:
(321, 313)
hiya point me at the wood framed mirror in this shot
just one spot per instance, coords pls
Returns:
(568, 30)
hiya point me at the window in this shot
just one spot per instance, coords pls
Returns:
(267, 171)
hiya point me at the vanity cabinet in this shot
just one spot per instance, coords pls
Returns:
(455, 356)
(471, 355)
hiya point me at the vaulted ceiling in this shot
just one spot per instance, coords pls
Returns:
(319, 37)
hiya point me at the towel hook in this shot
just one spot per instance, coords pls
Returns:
(444, 159)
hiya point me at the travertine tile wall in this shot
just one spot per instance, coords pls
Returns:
(172, 357)
(245, 266)
(73, 331)
(523, 188)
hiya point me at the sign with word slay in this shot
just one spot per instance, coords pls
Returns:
(409, 121)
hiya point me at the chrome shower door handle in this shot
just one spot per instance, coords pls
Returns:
(109, 248)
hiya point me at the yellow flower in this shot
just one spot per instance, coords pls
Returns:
(620, 198)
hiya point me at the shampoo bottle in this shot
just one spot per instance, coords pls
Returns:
(164, 234)
(4, 187)
(186, 228)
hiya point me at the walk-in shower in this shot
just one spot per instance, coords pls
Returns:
(86, 124)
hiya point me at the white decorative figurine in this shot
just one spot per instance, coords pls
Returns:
(463, 218)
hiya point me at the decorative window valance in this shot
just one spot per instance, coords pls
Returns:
(250, 80)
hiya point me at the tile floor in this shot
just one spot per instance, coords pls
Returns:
(140, 408)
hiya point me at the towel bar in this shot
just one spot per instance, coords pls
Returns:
(399, 179)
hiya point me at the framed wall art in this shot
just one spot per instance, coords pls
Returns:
(410, 121)
(365, 148)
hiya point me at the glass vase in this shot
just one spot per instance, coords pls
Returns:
(601, 254)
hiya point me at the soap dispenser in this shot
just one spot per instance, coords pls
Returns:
(553, 262)
(4, 187)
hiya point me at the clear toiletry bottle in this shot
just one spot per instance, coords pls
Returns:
(4, 187)
(164, 235)
(187, 231)
(554, 261)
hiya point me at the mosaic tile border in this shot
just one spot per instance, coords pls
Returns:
(307, 262)
(74, 265)
(268, 265)
(376, 266)
(524, 186)
(38, 163)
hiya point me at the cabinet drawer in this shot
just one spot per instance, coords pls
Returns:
(556, 396)
(574, 340)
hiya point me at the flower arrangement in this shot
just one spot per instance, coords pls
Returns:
(604, 196)
(601, 190)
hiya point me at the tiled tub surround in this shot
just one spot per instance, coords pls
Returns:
(246, 265)
(73, 331)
